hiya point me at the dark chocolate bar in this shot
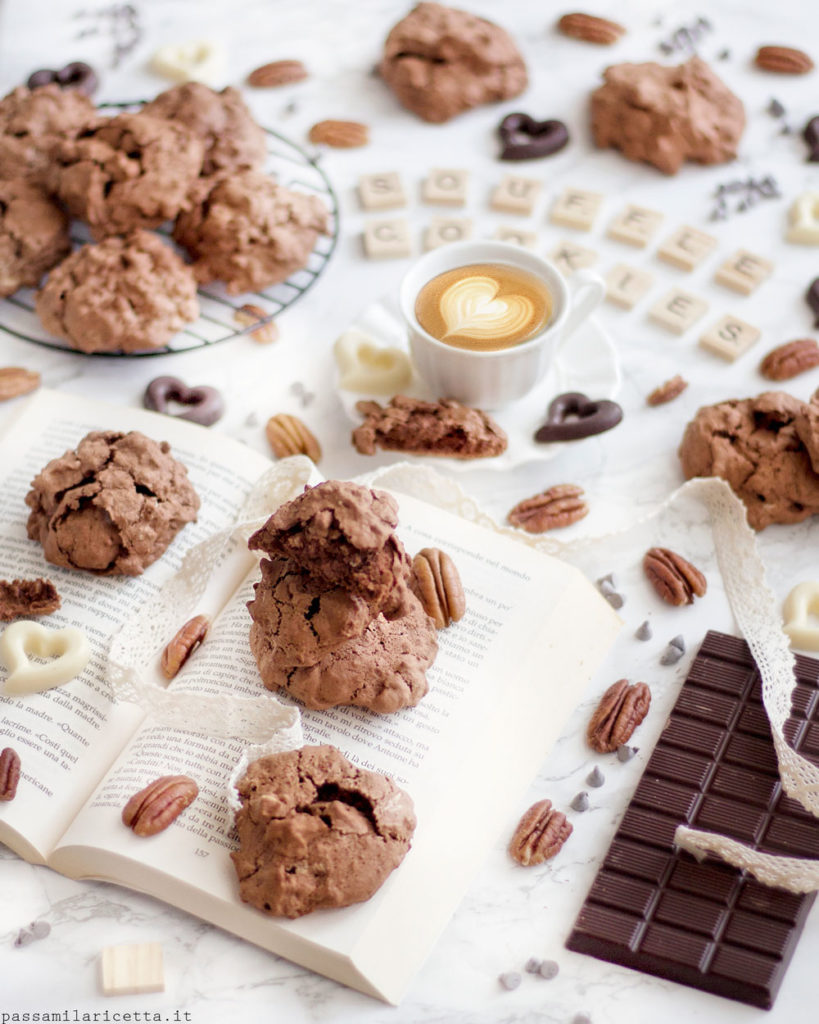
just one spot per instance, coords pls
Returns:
(657, 909)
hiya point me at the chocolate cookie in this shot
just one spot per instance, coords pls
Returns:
(428, 428)
(440, 62)
(315, 831)
(766, 448)
(112, 506)
(383, 669)
(33, 122)
(250, 232)
(123, 295)
(33, 235)
(341, 534)
(667, 115)
(221, 120)
(133, 171)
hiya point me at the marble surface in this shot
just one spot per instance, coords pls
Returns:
(509, 914)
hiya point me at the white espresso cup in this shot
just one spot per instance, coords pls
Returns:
(491, 379)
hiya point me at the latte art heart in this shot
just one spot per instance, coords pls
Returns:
(472, 307)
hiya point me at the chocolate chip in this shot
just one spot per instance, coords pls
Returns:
(607, 580)
(678, 642)
(40, 929)
(24, 937)
(549, 969)
(615, 600)
(206, 405)
(524, 138)
(644, 631)
(625, 752)
(724, 55)
(673, 652)
(510, 980)
(595, 778)
(775, 108)
(532, 965)
(573, 415)
(580, 802)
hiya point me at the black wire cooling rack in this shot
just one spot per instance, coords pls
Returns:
(289, 165)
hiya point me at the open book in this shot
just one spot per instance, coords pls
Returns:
(505, 680)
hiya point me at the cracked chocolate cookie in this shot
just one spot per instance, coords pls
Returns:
(766, 448)
(250, 232)
(133, 171)
(33, 235)
(317, 832)
(123, 295)
(33, 122)
(232, 139)
(667, 115)
(111, 506)
(440, 61)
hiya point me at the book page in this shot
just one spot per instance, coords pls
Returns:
(68, 737)
(505, 679)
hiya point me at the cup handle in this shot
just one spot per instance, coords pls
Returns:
(588, 291)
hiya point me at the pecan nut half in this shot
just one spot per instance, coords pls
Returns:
(340, 134)
(276, 73)
(182, 646)
(674, 578)
(621, 709)
(540, 834)
(289, 436)
(248, 315)
(439, 587)
(559, 506)
(786, 60)
(161, 802)
(16, 381)
(790, 359)
(668, 391)
(9, 773)
(590, 29)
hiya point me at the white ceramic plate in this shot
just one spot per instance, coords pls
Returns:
(588, 363)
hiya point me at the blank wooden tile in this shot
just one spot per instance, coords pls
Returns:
(730, 337)
(443, 230)
(381, 191)
(576, 208)
(626, 285)
(445, 186)
(515, 194)
(569, 256)
(517, 236)
(743, 272)
(133, 969)
(387, 239)
(687, 248)
(635, 226)
(678, 310)
(803, 219)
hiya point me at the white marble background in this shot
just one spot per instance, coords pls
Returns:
(509, 914)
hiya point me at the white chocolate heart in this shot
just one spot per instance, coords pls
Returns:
(68, 647)
(200, 60)
(473, 308)
(369, 368)
(803, 220)
(802, 602)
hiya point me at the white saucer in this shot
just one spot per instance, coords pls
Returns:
(588, 363)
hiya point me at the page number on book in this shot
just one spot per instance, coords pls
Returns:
(201, 853)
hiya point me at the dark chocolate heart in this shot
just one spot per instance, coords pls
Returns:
(76, 75)
(573, 415)
(206, 405)
(811, 136)
(524, 138)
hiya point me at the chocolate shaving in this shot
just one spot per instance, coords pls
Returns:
(27, 597)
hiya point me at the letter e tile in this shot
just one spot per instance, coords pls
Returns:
(626, 285)
(515, 195)
(445, 187)
(635, 226)
(132, 970)
(443, 230)
(575, 208)
(516, 236)
(678, 310)
(387, 239)
(743, 272)
(569, 256)
(730, 337)
(381, 191)
(687, 248)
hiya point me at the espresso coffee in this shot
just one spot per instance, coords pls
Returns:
(484, 307)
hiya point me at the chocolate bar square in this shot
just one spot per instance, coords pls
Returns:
(705, 924)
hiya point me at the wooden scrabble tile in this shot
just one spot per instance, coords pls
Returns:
(445, 186)
(516, 236)
(730, 337)
(387, 239)
(803, 219)
(131, 970)
(443, 230)
(381, 191)
(626, 285)
(576, 208)
(687, 248)
(570, 257)
(515, 194)
(678, 310)
(743, 272)
(635, 226)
